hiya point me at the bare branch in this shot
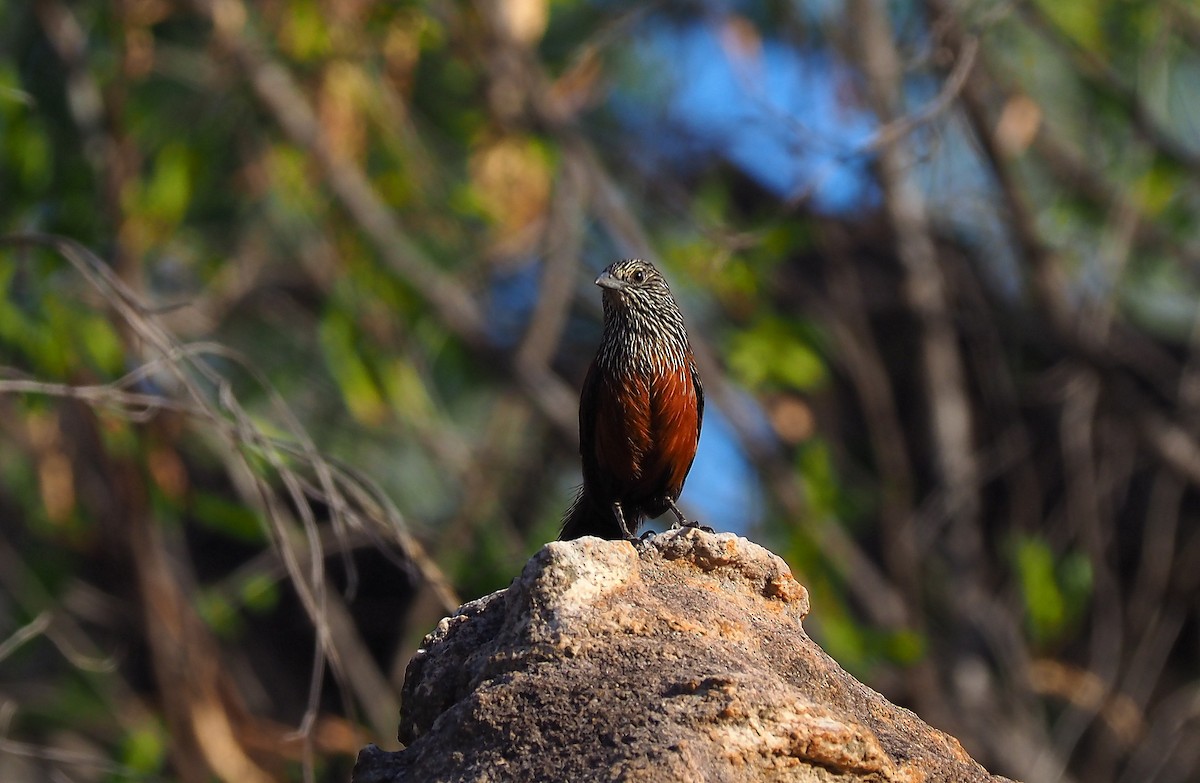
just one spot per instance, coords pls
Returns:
(24, 634)
(925, 284)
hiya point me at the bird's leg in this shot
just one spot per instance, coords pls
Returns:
(680, 519)
(621, 520)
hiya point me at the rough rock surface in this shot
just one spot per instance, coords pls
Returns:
(681, 659)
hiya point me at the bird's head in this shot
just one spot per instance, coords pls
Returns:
(635, 286)
(642, 323)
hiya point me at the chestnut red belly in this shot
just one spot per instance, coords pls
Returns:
(645, 433)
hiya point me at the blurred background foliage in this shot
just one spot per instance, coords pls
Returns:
(297, 300)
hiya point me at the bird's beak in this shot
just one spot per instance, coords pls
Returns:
(606, 280)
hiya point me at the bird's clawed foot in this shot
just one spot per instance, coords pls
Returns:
(695, 525)
(682, 521)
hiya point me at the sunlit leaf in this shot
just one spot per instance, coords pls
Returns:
(144, 749)
(169, 189)
(305, 33)
(773, 352)
(341, 350)
(1044, 607)
(407, 391)
(292, 188)
(101, 343)
(260, 593)
(511, 182)
(1156, 189)
(1081, 20)
(220, 615)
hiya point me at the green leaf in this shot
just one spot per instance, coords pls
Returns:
(1158, 187)
(407, 390)
(1081, 20)
(169, 190)
(739, 279)
(30, 155)
(341, 347)
(905, 646)
(220, 615)
(305, 33)
(231, 519)
(819, 477)
(291, 189)
(259, 593)
(845, 642)
(101, 344)
(1045, 608)
(144, 749)
(774, 353)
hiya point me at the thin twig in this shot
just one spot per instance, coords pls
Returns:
(25, 633)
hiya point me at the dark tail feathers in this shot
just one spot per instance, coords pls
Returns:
(587, 517)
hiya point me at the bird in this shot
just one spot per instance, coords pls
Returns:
(640, 410)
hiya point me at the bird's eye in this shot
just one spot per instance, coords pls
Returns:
(639, 276)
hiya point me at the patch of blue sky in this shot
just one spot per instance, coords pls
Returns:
(513, 293)
(777, 112)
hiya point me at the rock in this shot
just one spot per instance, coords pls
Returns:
(680, 659)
